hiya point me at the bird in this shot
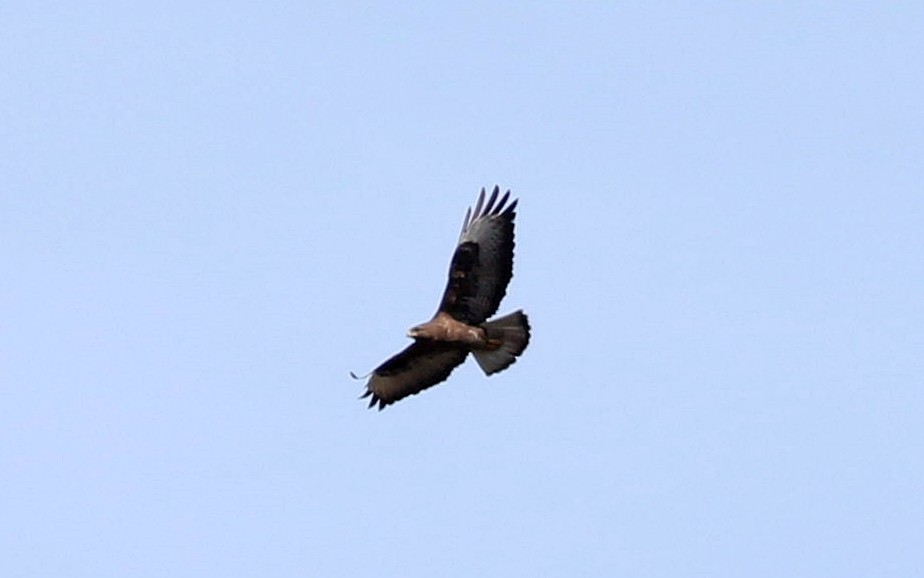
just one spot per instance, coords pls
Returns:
(480, 270)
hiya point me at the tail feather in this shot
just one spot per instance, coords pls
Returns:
(508, 337)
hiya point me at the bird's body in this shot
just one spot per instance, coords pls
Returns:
(444, 328)
(481, 268)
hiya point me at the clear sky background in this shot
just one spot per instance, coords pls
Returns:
(211, 212)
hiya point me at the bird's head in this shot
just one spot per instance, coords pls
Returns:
(422, 331)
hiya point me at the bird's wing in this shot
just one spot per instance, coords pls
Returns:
(482, 264)
(419, 366)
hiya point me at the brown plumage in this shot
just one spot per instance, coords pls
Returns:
(481, 268)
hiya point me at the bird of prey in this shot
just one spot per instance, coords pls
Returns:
(481, 268)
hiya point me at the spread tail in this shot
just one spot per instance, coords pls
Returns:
(507, 337)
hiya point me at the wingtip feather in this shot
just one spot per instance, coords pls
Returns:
(477, 210)
(490, 205)
(465, 222)
(500, 205)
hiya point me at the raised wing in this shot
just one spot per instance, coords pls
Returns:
(419, 366)
(482, 264)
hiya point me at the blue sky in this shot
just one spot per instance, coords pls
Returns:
(210, 214)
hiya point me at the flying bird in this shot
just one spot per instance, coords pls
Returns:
(481, 268)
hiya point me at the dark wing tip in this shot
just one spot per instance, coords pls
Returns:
(493, 206)
(490, 205)
(499, 209)
(477, 210)
(468, 217)
(375, 400)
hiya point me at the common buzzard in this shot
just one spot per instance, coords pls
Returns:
(481, 268)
